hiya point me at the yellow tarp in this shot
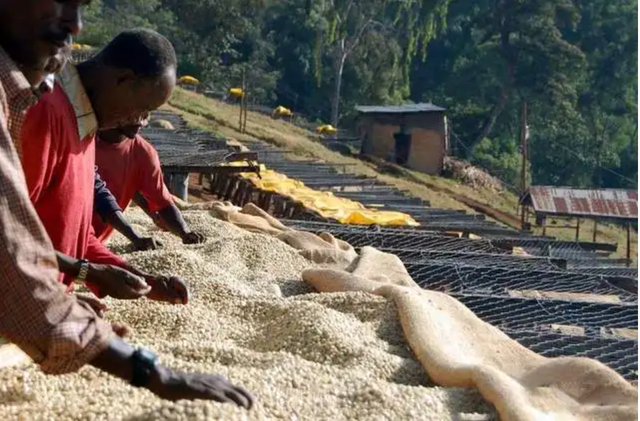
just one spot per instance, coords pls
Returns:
(325, 203)
(327, 129)
(282, 111)
(81, 47)
(236, 92)
(189, 80)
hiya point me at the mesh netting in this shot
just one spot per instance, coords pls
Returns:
(630, 272)
(476, 259)
(417, 242)
(448, 277)
(532, 314)
(619, 354)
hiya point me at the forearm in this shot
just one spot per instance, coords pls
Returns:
(157, 220)
(172, 218)
(116, 359)
(120, 224)
(68, 265)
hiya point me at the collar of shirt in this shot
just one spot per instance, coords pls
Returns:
(16, 86)
(69, 80)
(46, 86)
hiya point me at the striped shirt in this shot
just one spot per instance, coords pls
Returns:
(53, 328)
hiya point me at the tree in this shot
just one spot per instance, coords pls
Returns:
(344, 24)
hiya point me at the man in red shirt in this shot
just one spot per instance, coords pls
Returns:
(131, 76)
(129, 165)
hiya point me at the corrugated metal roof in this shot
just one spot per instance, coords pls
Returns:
(400, 109)
(604, 203)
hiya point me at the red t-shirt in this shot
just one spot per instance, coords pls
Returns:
(59, 169)
(129, 167)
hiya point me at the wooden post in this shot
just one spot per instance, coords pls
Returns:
(246, 111)
(578, 230)
(544, 227)
(628, 244)
(523, 146)
(242, 99)
(595, 230)
(523, 143)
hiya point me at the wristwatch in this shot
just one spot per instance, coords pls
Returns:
(83, 272)
(144, 364)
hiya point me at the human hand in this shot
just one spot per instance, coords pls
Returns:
(174, 386)
(169, 289)
(94, 303)
(146, 243)
(117, 282)
(193, 237)
(99, 308)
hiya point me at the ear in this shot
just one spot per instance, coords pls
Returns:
(123, 76)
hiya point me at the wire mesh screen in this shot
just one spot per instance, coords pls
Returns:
(630, 272)
(536, 315)
(498, 281)
(560, 249)
(477, 259)
(619, 354)
(417, 242)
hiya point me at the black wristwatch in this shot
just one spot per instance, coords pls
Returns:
(144, 364)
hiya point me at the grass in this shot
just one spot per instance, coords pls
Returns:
(223, 119)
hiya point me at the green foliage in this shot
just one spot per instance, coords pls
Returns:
(574, 62)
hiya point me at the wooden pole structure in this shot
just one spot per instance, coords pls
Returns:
(578, 230)
(595, 230)
(628, 244)
(246, 108)
(242, 100)
(523, 145)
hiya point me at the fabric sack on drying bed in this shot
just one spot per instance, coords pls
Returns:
(457, 349)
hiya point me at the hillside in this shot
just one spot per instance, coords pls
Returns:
(222, 118)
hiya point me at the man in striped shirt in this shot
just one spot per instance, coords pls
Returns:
(58, 332)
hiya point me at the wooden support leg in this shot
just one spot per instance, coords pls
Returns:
(228, 195)
(628, 244)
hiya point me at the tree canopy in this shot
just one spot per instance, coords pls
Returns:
(573, 62)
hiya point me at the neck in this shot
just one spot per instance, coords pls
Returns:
(90, 77)
(111, 138)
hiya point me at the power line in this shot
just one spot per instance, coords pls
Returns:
(492, 172)
(583, 159)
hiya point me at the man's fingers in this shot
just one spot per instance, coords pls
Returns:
(120, 329)
(246, 394)
(180, 289)
(238, 398)
(137, 283)
(96, 305)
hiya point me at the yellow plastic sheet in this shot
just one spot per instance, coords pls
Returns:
(325, 203)
(282, 111)
(327, 129)
(189, 80)
(81, 47)
(236, 92)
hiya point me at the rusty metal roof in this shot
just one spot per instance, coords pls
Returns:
(399, 109)
(602, 203)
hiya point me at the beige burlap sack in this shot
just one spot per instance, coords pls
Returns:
(321, 249)
(250, 218)
(11, 355)
(457, 349)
